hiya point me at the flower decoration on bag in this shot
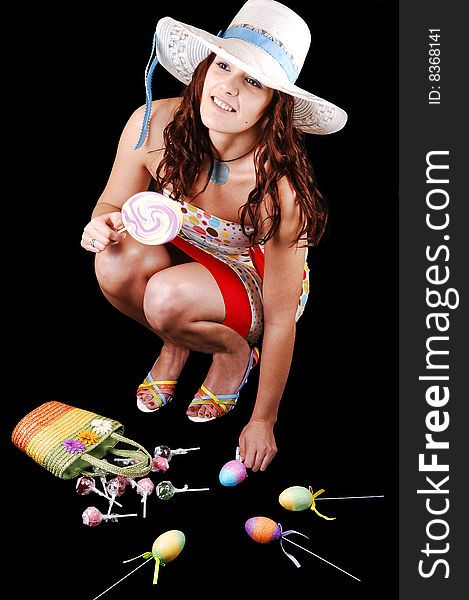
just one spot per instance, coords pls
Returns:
(74, 446)
(101, 426)
(88, 437)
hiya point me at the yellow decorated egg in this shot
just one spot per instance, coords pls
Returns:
(296, 498)
(169, 545)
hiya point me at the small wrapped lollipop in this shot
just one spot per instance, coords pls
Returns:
(144, 487)
(165, 490)
(163, 454)
(159, 463)
(151, 218)
(233, 472)
(264, 530)
(115, 487)
(92, 516)
(165, 548)
(102, 474)
(86, 485)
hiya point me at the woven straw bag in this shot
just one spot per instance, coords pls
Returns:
(69, 441)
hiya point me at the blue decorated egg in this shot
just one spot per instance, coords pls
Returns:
(233, 473)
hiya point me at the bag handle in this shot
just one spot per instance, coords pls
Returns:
(139, 469)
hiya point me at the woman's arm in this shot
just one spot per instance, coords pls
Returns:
(283, 277)
(130, 174)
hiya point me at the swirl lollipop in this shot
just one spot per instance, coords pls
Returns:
(92, 516)
(165, 490)
(264, 530)
(151, 218)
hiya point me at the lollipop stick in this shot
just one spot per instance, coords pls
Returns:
(100, 493)
(347, 498)
(110, 500)
(111, 504)
(326, 561)
(195, 489)
(122, 229)
(122, 579)
(184, 450)
(103, 483)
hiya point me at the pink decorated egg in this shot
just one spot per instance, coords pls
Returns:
(233, 473)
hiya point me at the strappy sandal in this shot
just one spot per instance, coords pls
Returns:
(162, 392)
(223, 403)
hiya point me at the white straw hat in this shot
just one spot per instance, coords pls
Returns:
(266, 39)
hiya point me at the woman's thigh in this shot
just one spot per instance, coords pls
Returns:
(131, 260)
(184, 292)
(123, 272)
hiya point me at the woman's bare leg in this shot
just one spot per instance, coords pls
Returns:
(179, 300)
(184, 305)
(123, 272)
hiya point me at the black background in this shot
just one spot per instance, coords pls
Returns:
(80, 77)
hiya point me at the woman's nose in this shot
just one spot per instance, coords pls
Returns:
(231, 85)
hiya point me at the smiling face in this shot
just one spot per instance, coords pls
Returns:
(232, 101)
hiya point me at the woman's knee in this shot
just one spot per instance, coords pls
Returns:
(166, 303)
(117, 268)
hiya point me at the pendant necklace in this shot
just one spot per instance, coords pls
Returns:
(220, 172)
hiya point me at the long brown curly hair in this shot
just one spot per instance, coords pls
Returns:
(281, 147)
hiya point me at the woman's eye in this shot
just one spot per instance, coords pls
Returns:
(254, 82)
(222, 65)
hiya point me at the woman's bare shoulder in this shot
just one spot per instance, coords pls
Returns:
(286, 198)
(162, 112)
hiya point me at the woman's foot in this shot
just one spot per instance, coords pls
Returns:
(226, 376)
(158, 387)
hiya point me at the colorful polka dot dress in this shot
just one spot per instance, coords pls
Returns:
(227, 242)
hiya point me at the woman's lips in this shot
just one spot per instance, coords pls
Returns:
(222, 105)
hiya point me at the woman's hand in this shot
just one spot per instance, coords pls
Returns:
(101, 232)
(257, 445)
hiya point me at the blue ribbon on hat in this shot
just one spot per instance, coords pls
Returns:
(150, 68)
(264, 42)
(241, 33)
